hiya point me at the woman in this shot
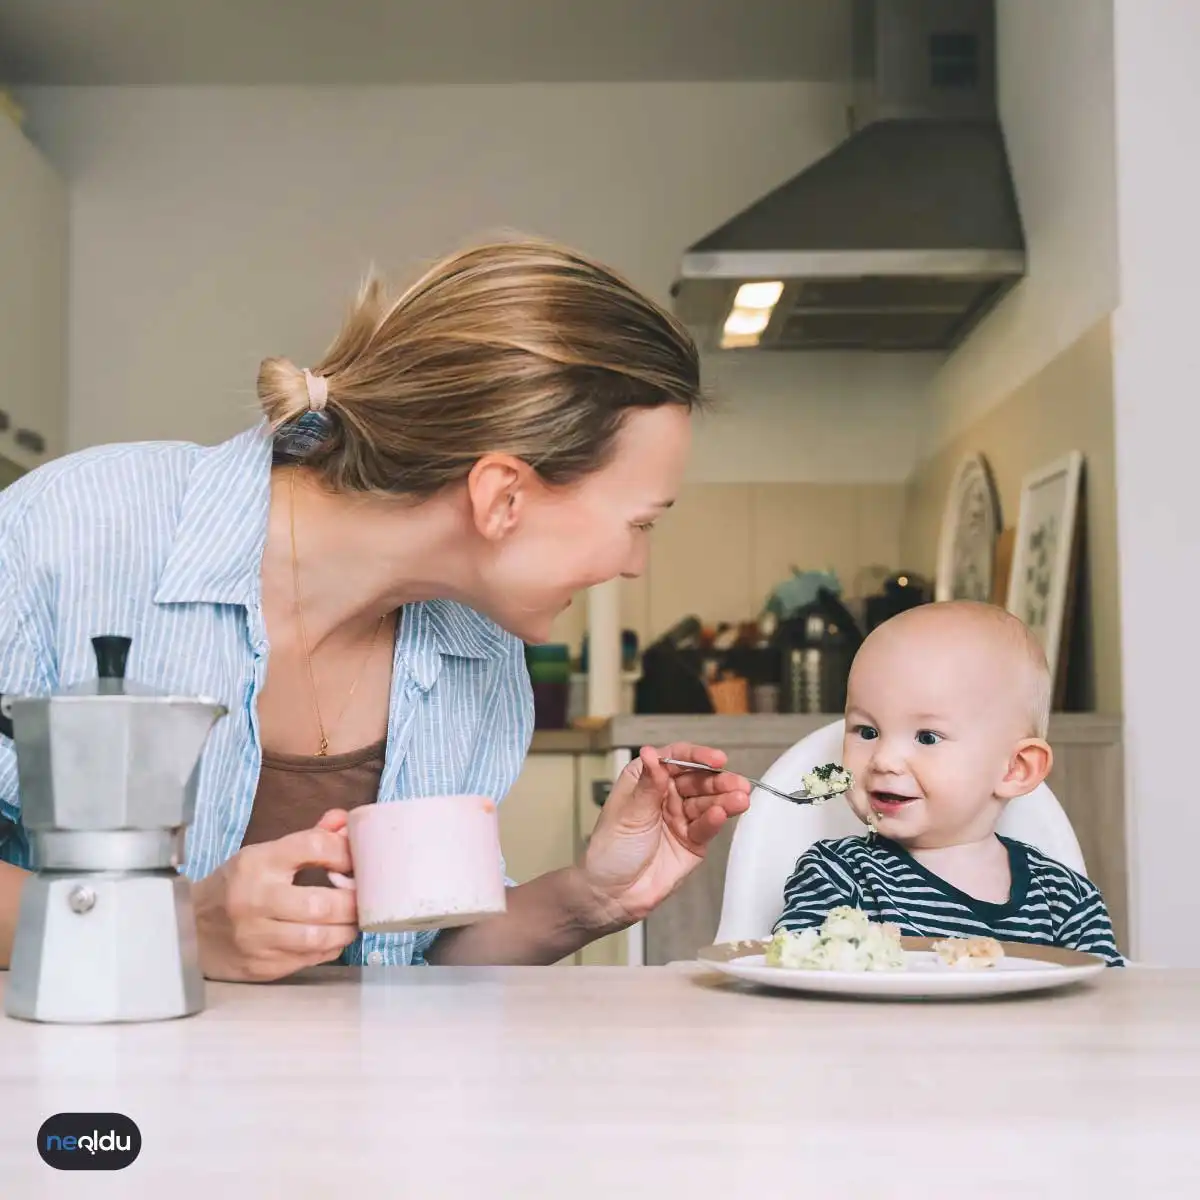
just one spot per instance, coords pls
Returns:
(461, 462)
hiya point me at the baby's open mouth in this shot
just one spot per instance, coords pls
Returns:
(890, 800)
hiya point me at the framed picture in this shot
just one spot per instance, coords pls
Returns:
(970, 525)
(1043, 557)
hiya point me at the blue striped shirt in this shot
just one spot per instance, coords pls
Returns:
(1048, 903)
(162, 542)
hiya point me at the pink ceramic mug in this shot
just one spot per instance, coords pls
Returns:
(430, 863)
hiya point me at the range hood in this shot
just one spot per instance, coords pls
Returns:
(904, 235)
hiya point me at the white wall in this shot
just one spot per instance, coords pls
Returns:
(211, 227)
(1055, 83)
(1156, 360)
(813, 418)
(33, 299)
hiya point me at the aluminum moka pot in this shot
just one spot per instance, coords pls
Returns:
(107, 771)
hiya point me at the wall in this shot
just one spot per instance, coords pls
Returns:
(214, 226)
(9, 472)
(1068, 405)
(815, 418)
(1055, 83)
(1034, 379)
(33, 297)
(723, 547)
(1156, 353)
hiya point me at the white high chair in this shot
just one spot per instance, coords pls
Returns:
(773, 834)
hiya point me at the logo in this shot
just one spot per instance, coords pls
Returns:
(89, 1141)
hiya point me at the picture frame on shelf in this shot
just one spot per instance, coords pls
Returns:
(1002, 571)
(1045, 554)
(971, 523)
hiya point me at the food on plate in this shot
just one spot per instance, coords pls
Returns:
(848, 940)
(826, 781)
(969, 953)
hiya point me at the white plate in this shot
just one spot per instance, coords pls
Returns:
(1023, 969)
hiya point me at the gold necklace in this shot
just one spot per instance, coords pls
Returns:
(323, 745)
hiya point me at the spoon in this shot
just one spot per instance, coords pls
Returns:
(800, 797)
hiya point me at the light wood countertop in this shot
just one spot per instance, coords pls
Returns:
(785, 729)
(569, 1082)
(775, 730)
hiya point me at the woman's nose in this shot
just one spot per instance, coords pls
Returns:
(635, 567)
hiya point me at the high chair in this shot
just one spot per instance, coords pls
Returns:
(773, 834)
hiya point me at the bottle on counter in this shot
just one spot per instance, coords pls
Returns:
(550, 675)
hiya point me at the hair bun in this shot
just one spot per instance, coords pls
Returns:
(282, 391)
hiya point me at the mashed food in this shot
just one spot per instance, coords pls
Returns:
(847, 941)
(826, 781)
(969, 953)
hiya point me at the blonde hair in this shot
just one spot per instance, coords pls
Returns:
(521, 347)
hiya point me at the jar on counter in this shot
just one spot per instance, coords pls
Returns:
(550, 676)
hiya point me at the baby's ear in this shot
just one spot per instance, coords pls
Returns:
(1027, 768)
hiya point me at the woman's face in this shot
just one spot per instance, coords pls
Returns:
(555, 542)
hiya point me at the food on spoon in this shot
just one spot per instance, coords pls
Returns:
(848, 940)
(969, 953)
(829, 780)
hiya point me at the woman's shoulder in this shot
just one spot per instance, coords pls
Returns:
(98, 475)
(121, 489)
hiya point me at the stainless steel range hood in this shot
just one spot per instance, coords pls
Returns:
(903, 236)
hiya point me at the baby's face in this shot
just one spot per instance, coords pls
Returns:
(933, 719)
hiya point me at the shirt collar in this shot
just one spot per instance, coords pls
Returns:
(437, 629)
(216, 557)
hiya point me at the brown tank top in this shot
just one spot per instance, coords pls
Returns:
(295, 791)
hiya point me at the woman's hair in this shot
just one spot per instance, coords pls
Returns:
(518, 347)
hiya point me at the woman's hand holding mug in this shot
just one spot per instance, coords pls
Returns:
(254, 924)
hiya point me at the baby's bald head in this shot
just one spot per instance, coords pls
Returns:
(979, 646)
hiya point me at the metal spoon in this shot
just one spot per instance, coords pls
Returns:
(800, 797)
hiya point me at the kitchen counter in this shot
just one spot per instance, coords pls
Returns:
(760, 729)
(785, 729)
(565, 741)
(557, 1082)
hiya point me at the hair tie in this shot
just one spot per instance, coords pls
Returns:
(318, 390)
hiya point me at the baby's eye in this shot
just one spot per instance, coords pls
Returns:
(868, 733)
(644, 526)
(927, 737)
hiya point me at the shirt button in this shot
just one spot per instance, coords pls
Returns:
(374, 959)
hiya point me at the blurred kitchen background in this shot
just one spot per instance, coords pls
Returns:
(179, 202)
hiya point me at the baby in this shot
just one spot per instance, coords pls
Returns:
(946, 720)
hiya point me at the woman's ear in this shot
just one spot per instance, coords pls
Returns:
(1027, 768)
(497, 488)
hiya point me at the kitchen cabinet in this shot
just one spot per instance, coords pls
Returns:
(33, 302)
(544, 823)
(592, 770)
(537, 819)
(537, 824)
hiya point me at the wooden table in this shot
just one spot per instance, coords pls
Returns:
(664, 1082)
